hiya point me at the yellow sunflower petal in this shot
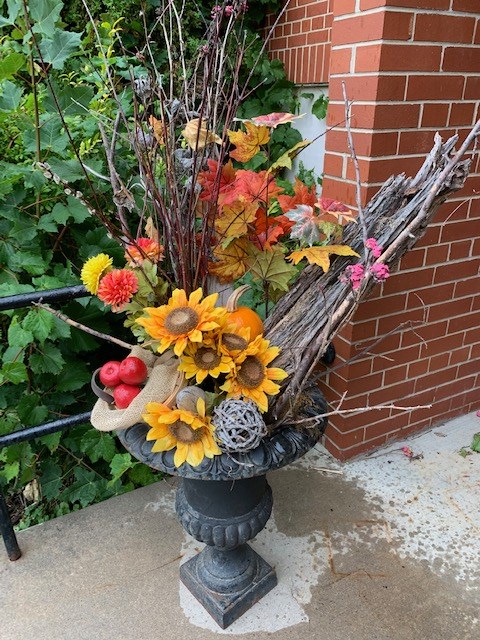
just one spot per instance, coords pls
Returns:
(164, 444)
(195, 297)
(180, 454)
(157, 431)
(195, 453)
(274, 373)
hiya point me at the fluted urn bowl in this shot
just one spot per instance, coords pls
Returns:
(225, 502)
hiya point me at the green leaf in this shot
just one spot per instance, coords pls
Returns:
(141, 475)
(52, 136)
(84, 489)
(74, 376)
(68, 170)
(10, 471)
(10, 65)
(32, 263)
(45, 13)
(14, 372)
(77, 210)
(57, 49)
(51, 441)
(271, 267)
(40, 323)
(18, 336)
(121, 462)
(476, 443)
(11, 96)
(30, 411)
(319, 107)
(47, 359)
(72, 101)
(98, 445)
(13, 7)
(51, 480)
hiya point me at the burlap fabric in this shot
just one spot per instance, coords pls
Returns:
(163, 384)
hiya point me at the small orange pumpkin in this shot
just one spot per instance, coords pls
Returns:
(244, 316)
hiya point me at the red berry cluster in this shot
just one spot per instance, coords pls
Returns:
(125, 378)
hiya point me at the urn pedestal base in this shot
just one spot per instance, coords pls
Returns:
(228, 576)
(229, 600)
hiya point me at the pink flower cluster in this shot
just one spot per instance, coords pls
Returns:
(374, 247)
(354, 274)
(380, 271)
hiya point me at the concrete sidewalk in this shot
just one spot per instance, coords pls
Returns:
(382, 548)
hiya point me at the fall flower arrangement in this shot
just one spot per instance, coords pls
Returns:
(215, 214)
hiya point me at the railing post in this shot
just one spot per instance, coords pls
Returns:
(8, 534)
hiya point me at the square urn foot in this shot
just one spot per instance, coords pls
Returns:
(225, 608)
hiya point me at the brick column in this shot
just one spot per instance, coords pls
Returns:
(412, 67)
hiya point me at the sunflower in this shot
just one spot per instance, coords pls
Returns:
(182, 321)
(251, 377)
(93, 270)
(190, 433)
(205, 359)
(233, 339)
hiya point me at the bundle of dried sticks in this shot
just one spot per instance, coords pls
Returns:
(306, 319)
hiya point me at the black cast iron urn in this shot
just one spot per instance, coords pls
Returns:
(225, 502)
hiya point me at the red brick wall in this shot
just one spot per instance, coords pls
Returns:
(412, 67)
(302, 40)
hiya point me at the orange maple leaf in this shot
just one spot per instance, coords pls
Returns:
(321, 255)
(214, 184)
(254, 187)
(302, 195)
(248, 144)
(230, 262)
(234, 219)
(269, 229)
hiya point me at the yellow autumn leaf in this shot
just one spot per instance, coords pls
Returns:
(198, 136)
(321, 255)
(230, 262)
(234, 219)
(248, 144)
(286, 158)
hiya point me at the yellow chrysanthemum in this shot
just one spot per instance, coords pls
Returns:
(93, 271)
(252, 378)
(182, 321)
(205, 359)
(190, 433)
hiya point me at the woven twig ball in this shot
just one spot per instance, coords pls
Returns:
(239, 425)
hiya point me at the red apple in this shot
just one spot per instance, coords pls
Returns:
(133, 370)
(110, 373)
(123, 395)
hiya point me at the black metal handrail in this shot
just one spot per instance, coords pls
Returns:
(19, 301)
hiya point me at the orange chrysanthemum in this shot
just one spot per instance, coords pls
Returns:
(183, 320)
(117, 288)
(143, 249)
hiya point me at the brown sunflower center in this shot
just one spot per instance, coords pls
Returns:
(181, 320)
(183, 432)
(206, 358)
(234, 342)
(251, 373)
